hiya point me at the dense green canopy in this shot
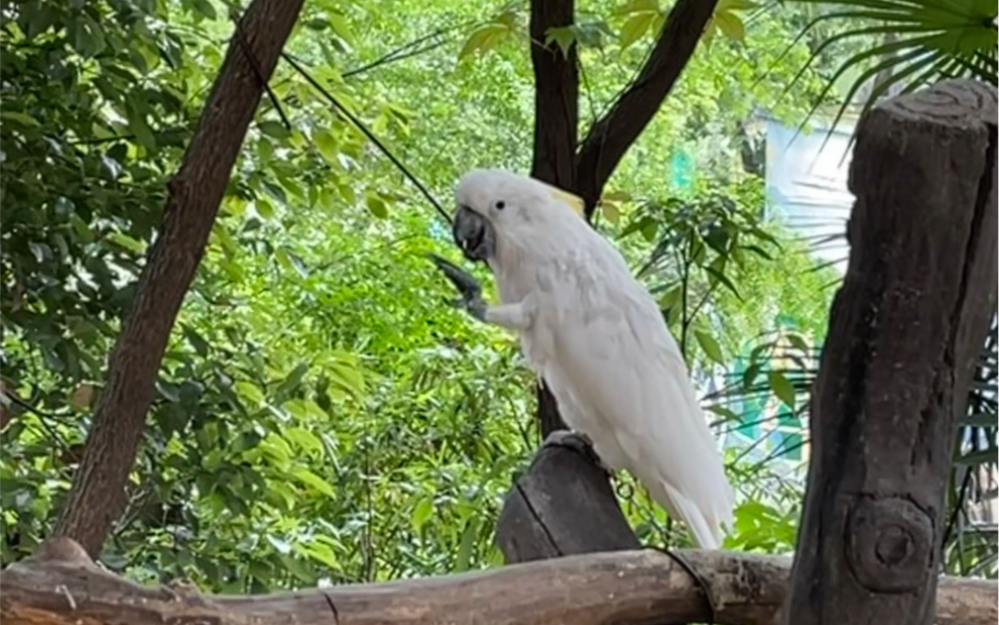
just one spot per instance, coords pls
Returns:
(321, 412)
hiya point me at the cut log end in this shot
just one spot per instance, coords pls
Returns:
(957, 103)
(62, 549)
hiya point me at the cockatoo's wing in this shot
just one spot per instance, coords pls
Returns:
(626, 375)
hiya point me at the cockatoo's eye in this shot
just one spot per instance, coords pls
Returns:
(500, 205)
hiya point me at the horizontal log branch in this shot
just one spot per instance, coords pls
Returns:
(61, 585)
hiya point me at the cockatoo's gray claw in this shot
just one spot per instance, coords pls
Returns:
(471, 293)
(475, 307)
(467, 285)
(574, 440)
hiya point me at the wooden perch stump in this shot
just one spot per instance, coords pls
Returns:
(905, 329)
(60, 585)
(562, 506)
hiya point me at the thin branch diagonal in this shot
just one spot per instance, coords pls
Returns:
(608, 139)
(363, 128)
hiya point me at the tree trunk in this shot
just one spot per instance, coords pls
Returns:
(61, 586)
(905, 331)
(584, 170)
(98, 493)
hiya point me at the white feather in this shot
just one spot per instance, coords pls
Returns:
(599, 340)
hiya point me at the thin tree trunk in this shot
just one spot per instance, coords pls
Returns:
(559, 158)
(98, 493)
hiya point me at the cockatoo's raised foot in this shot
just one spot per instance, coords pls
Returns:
(471, 293)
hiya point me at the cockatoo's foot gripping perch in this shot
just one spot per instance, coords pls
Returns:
(576, 441)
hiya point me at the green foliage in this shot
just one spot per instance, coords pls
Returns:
(321, 414)
(700, 245)
(910, 44)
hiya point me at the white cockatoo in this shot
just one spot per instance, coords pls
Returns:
(597, 338)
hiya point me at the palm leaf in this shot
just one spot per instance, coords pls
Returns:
(934, 39)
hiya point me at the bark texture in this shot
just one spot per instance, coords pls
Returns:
(98, 495)
(905, 330)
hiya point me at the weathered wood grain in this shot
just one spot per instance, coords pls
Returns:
(905, 329)
(62, 586)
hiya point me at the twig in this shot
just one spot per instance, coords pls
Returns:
(354, 120)
(404, 51)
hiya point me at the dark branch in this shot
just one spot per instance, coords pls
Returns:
(556, 118)
(609, 138)
(418, 46)
(364, 129)
(556, 96)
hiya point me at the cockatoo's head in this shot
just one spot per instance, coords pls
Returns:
(495, 206)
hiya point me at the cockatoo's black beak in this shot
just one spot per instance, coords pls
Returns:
(473, 234)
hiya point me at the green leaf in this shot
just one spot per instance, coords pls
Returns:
(377, 206)
(124, 241)
(929, 38)
(204, 8)
(274, 129)
(782, 388)
(313, 481)
(649, 230)
(249, 393)
(468, 538)
(198, 342)
(485, 39)
(421, 513)
(726, 413)
(317, 23)
(671, 299)
(710, 346)
(563, 36)
(140, 128)
(730, 24)
(976, 458)
(797, 341)
(327, 145)
(342, 28)
(722, 278)
(635, 27)
(264, 207)
(758, 251)
(320, 548)
(611, 212)
(22, 119)
(293, 381)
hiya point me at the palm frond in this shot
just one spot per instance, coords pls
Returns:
(933, 40)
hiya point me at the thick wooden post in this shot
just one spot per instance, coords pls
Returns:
(904, 332)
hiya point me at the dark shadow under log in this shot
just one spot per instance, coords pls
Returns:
(61, 586)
